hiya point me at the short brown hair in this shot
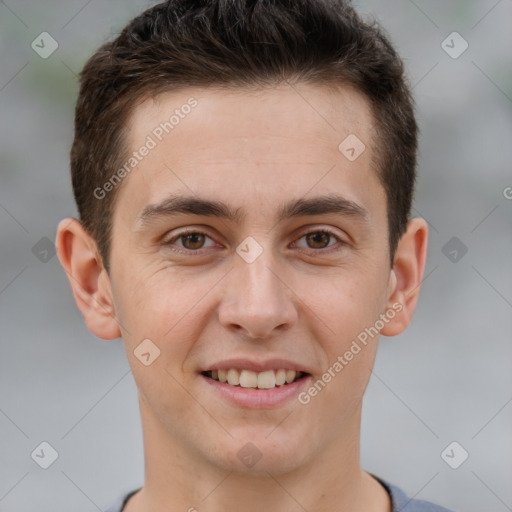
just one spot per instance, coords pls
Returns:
(239, 43)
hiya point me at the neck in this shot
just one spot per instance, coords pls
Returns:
(177, 478)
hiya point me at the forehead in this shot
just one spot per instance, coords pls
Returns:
(250, 146)
(289, 111)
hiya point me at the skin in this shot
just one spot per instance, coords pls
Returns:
(253, 150)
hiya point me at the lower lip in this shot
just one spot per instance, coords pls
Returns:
(258, 398)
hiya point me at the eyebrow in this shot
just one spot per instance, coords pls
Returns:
(177, 204)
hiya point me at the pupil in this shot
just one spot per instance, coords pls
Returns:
(315, 238)
(196, 238)
(319, 237)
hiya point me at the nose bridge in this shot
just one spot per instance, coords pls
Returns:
(257, 278)
(256, 300)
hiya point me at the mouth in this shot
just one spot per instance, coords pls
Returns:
(255, 384)
(268, 379)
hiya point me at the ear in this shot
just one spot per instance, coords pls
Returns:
(79, 255)
(406, 275)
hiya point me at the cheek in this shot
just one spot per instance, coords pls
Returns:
(168, 311)
(348, 306)
(345, 304)
(162, 305)
(171, 309)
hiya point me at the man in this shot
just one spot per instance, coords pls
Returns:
(244, 173)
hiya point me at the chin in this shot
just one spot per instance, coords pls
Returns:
(260, 452)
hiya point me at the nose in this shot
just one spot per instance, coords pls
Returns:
(257, 300)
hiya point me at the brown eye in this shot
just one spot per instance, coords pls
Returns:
(192, 241)
(320, 242)
(189, 242)
(318, 239)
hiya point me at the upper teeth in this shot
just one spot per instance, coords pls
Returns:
(248, 379)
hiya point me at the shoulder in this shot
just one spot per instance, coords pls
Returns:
(404, 503)
(400, 500)
(120, 502)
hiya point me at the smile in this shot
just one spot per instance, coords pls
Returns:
(268, 379)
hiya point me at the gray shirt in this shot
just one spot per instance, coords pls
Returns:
(401, 502)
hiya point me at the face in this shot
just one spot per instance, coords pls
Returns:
(228, 254)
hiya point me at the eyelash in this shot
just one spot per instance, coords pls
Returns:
(169, 243)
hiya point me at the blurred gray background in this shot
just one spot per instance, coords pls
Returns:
(447, 379)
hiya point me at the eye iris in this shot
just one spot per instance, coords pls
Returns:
(317, 236)
(197, 240)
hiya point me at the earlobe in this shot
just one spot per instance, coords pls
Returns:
(78, 254)
(406, 275)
